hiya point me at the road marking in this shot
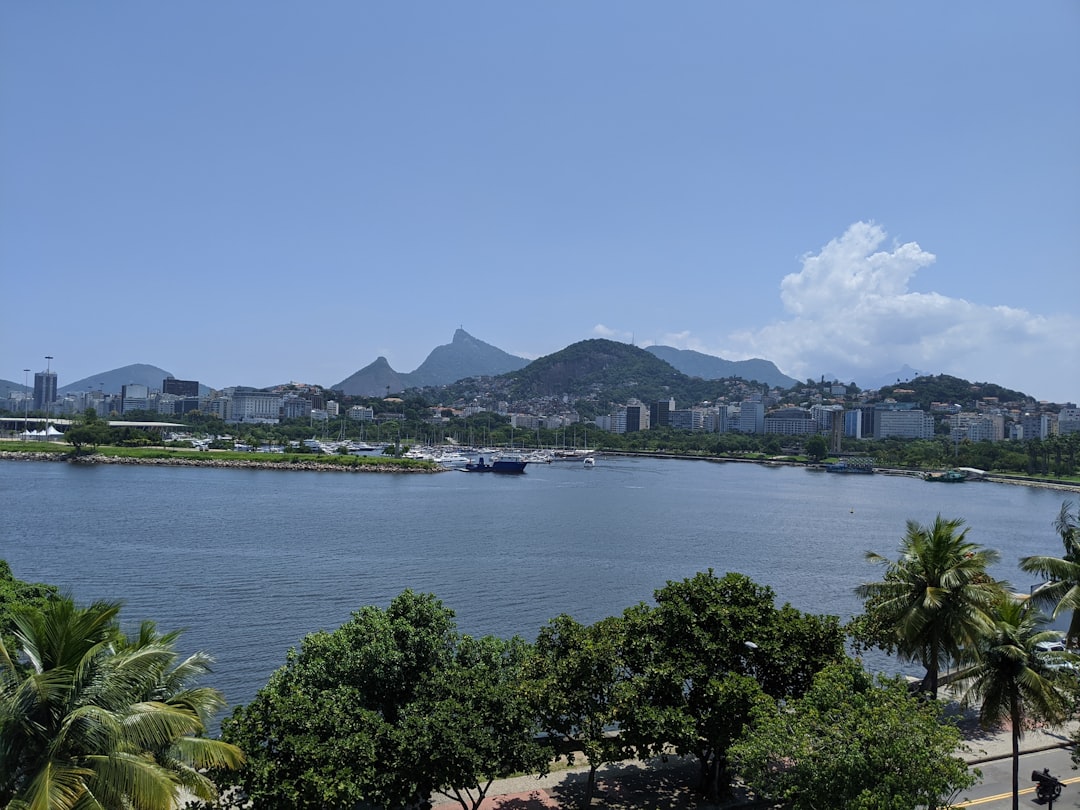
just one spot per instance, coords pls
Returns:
(1000, 796)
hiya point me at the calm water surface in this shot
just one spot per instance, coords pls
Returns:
(251, 560)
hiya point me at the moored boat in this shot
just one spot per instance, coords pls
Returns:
(851, 465)
(948, 477)
(499, 464)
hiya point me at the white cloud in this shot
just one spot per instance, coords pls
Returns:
(853, 313)
(602, 331)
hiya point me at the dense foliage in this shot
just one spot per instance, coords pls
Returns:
(14, 593)
(90, 718)
(389, 709)
(853, 742)
(705, 656)
(927, 390)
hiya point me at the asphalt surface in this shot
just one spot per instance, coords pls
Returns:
(659, 785)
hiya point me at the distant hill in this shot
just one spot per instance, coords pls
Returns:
(710, 367)
(465, 356)
(7, 388)
(954, 390)
(591, 366)
(903, 375)
(111, 382)
(373, 380)
(605, 371)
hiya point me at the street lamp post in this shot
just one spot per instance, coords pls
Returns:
(26, 402)
(45, 393)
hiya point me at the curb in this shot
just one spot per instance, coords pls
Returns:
(1039, 750)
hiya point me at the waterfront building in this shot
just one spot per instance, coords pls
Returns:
(181, 388)
(721, 419)
(525, 421)
(660, 412)
(977, 427)
(1035, 425)
(44, 390)
(751, 417)
(295, 407)
(790, 422)
(853, 423)
(361, 413)
(1068, 420)
(911, 423)
(262, 407)
(134, 397)
(637, 417)
(688, 418)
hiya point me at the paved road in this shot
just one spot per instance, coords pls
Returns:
(995, 790)
(630, 786)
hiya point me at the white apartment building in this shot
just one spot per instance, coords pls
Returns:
(791, 422)
(361, 413)
(1069, 420)
(751, 417)
(256, 406)
(134, 397)
(911, 424)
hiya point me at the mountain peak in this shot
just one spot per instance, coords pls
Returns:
(465, 356)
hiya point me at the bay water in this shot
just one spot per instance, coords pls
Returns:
(249, 561)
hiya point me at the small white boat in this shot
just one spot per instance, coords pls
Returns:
(589, 461)
(453, 461)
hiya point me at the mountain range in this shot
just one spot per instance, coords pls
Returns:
(589, 365)
(465, 356)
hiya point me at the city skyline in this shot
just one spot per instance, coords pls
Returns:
(250, 194)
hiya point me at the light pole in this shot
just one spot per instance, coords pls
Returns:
(45, 393)
(26, 402)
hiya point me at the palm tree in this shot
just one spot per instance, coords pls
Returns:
(1062, 574)
(937, 599)
(173, 684)
(90, 719)
(1010, 683)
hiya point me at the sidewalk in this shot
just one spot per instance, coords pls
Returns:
(658, 785)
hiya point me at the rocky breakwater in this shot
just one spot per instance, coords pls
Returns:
(242, 464)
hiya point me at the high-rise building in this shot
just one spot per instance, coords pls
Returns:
(660, 412)
(637, 417)
(44, 389)
(134, 397)
(182, 388)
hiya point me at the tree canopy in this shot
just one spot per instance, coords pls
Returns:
(388, 709)
(705, 656)
(853, 742)
(92, 719)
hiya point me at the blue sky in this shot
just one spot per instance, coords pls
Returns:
(257, 192)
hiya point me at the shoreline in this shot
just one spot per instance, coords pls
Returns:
(239, 464)
(322, 466)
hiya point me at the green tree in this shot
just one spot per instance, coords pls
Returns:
(82, 724)
(697, 664)
(1061, 590)
(853, 742)
(1011, 684)
(574, 675)
(937, 599)
(15, 593)
(473, 723)
(87, 430)
(389, 708)
(817, 448)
